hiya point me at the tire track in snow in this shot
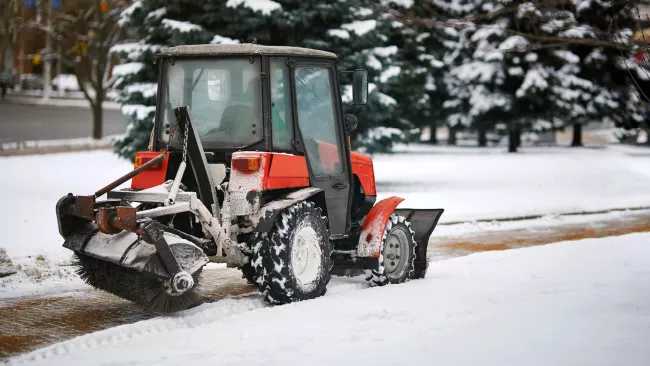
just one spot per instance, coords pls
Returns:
(205, 314)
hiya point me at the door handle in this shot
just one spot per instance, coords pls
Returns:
(338, 186)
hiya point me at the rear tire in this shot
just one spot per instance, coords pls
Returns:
(292, 262)
(398, 251)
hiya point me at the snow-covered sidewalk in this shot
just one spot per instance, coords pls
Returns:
(574, 303)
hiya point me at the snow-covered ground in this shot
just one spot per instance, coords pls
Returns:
(469, 183)
(475, 183)
(574, 303)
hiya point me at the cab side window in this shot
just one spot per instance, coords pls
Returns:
(316, 118)
(281, 111)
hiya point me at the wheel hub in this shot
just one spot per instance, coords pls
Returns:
(306, 257)
(395, 254)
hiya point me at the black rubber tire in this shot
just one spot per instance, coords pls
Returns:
(142, 289)
(377, 276)
(272, 256)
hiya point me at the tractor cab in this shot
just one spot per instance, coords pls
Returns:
(248, 97)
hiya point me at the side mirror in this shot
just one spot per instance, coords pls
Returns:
(351, 123)
(360, 87)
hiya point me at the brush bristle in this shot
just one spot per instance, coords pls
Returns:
(145, 290)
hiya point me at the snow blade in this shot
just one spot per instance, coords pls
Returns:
(423, 221)
(128, 267)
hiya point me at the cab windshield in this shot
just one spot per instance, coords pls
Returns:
(224, 97)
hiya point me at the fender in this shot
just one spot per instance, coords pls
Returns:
(264, 219)
(372, 231)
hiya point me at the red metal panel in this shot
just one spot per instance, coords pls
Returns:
(362, 167)
(153, 176)
(374, 225)
(287, 171)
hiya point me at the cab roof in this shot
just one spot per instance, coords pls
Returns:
(242, 49)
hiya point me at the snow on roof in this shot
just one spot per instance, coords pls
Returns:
(339, 33)
(223, 40)
(263, 6)
(128, 68)
(242, 49)
(361, 27)
(183, 27)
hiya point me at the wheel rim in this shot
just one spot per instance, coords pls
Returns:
(396, 254)
(306, 256)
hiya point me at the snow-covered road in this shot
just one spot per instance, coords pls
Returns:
(574, 303)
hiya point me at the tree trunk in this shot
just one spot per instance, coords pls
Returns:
(451, 139)
(647, 136)
(482, 137)
(97, 120)
(433, 138)
(514, 138)
(577, 135)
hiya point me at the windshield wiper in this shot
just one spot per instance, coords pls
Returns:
(197, 79)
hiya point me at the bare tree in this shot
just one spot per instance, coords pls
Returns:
(11, 23)
(88, 34)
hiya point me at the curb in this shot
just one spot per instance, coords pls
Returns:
(56, 146)
(56, 102)
(534, 217)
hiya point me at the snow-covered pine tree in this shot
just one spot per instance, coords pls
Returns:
(155, 24)
(610, 70)
(427, 54)
(366, 40)
(508, 78)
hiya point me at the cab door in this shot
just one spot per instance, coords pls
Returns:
(318, 112)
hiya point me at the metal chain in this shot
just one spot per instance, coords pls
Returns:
(187, 134)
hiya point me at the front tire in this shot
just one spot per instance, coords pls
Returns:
(292, 262)
(398, 248)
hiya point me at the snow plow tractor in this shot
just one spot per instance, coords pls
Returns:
(249, 164)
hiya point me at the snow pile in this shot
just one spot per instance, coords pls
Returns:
(67, 82)
(6, 265)
(519, 307)
(263, 6)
